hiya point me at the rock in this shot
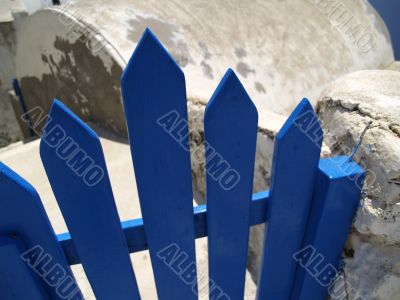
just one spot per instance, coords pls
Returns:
(346, 108)
(373, 272)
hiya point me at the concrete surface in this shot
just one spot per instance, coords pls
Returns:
(372, 254)
(281, 50)
(395, 66)
(9, 129)
(25, 160)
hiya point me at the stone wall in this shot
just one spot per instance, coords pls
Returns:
(348, 106)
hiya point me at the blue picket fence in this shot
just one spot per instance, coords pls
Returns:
(309, 208)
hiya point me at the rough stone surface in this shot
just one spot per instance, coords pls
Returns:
(372, 256)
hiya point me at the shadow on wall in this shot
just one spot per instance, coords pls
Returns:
(390, 12)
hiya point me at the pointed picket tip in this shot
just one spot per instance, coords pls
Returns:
(153, 88)
(230, 129)
(302, 120)
(148, 53)
(61, 115)
(229, 91)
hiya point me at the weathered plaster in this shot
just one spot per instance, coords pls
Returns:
(281, 50)
(348, 105)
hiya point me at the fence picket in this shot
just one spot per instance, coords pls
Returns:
(74, 162)
(23, 217)
(230, 128)
(336, 197)
(14, 270)
(294, 169)
(153, 88)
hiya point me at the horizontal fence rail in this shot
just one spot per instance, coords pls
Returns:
(136, 236)
(341, 168)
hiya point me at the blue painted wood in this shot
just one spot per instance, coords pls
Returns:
(74, 162)
(136, 237)
(336, 199)
(230, 128)
(22, 214)
(17, 279)
(153, 89)
(154, 95)
(294, 168)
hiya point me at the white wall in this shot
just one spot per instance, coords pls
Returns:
(34, 5)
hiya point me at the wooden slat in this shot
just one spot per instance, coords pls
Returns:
(336, 198)
(294, 168)
(17, 279)
(153, 88)
(230, 128)
(74, 163)
(22, 214)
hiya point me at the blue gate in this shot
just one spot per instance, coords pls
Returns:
(309, 208)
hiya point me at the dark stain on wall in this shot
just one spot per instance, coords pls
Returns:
(82, 82)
